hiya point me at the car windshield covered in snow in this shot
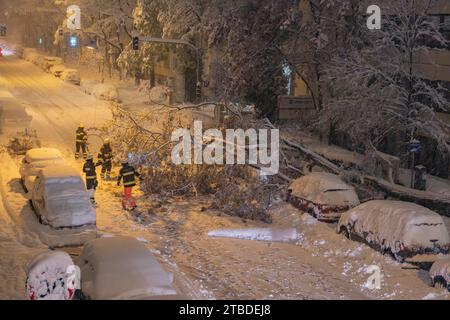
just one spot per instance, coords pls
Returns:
(122, 268)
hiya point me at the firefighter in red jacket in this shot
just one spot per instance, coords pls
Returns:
(128, 174)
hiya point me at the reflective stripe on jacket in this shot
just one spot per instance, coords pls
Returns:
(81, 136)
(128, 174)
(89, 169)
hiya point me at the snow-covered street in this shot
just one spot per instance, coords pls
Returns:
(317, 264)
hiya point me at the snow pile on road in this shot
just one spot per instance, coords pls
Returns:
(397, 226)
(107, 92)
(258, 234)
(324, 188)
(47, 277)
(122, 268)
(441, 268)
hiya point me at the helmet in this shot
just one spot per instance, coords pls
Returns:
(107, 141)
(124, 161)
(90, 157)
(81, 126)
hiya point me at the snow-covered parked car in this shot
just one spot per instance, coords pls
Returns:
(50, 62)
(122, 268)
(34, 161)
(323, 195)
(52, 276)
(440, 273)
(71, 76)
(60, 198)
(403, 229)
(57, 70)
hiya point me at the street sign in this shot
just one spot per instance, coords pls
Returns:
(414, 146)
(136, 43)
(73, 41)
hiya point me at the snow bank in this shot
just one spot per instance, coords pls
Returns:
(441, 268)
(324, 188)
(107, 92)
(48, 275)
(122, 268)
(400, 227)
(258, 234)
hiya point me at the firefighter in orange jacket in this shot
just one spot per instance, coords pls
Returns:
(128, 174)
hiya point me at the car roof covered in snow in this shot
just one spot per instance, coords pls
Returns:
(395, 223)
(324, 188)
(122, 268)
(59, 171)
(50, 259)
(409, 212)
(43, 154)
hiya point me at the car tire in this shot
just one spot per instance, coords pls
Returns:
(344, 230)
(440, 283)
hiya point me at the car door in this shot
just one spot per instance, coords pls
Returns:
(38, 196)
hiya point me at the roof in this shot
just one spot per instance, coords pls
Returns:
(123, 268)
(43, 154)
(59, 171)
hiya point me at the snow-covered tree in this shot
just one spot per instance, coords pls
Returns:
(377, 89)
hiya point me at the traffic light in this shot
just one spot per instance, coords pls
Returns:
(3, 31)
(198, 90)
(136, 43)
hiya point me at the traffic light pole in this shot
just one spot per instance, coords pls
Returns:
(181, 42)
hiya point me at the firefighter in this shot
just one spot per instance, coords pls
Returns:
(91, 176)
(105, 158)
(129, 175)
(81, 142)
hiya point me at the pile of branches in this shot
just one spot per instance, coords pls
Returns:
(145, 138)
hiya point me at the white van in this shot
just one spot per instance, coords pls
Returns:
(60, 198)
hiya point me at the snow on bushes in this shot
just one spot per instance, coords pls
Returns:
(48, 277)
(145, 138)
(403, 228)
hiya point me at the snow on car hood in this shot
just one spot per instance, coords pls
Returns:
(324, 188)
(397, 224)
